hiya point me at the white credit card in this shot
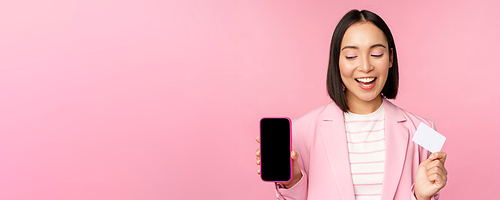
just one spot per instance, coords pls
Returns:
(429, 138)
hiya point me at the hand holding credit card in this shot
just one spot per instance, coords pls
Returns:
(428, 138)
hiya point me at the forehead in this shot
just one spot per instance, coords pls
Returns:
(363, 34)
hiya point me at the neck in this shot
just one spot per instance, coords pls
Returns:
(358, 106)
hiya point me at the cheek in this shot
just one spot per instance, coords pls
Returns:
(383, 70)
(346, 70)
(383, 66)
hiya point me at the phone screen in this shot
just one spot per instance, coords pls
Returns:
(275, 149)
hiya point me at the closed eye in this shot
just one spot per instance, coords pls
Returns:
(377, 55)
(351, 57)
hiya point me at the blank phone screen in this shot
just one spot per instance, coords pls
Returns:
(275, 149)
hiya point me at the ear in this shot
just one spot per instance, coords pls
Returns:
(391, 58)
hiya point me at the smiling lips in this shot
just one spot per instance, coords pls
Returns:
(366, 83)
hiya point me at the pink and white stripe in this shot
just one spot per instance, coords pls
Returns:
(366, 145)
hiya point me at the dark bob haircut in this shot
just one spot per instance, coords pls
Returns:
(334, 82)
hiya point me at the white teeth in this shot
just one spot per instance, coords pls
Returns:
(365, 80)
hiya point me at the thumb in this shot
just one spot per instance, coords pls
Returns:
(429, 160)
(295, 164)
(295, 155)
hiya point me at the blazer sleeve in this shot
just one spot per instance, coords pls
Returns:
(297, 192)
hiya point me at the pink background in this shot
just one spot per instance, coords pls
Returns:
(107, 99)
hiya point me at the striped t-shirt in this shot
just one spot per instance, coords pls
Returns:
(366, 145)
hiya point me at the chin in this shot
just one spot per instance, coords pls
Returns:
(369, 97)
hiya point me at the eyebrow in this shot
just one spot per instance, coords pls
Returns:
(355, 47)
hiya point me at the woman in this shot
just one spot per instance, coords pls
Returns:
(359, 146)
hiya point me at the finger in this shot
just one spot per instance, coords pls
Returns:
(294, 155)
(258, 139)
(441, 156)
(258, 171)
(440, 182)
(433, 163)
(426, 162)
(258, 162)
(295, 164)
(438, 179)
(436, 170)
(258, 152)
(439, 170)
(438, 164)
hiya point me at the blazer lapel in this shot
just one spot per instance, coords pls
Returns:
(335, 143)
(396, 144)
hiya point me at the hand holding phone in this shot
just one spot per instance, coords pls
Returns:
(297, 174)
(276, 143)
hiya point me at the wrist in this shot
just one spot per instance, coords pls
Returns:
(419, 197)
(292, 182)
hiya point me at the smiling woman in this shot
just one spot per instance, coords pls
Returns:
(364, 64)
(362, 38)
(358, 146)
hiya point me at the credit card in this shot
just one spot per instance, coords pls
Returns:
(429, 138)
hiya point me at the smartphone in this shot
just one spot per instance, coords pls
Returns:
(275, 149)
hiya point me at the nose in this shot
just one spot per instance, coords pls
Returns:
(365, 65)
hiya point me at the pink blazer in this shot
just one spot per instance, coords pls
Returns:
(320, 139)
